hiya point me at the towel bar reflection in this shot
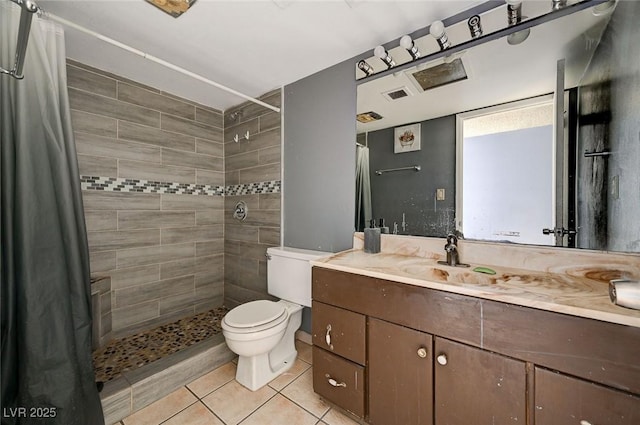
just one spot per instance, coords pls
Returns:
(592, 154)
(389, 170)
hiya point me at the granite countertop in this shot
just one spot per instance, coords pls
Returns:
(576, 291)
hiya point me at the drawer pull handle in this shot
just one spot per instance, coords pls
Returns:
(333, 382)
(442, 359)
(327, 337)
(422, 352)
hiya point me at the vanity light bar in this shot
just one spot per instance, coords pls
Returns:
(521, 32)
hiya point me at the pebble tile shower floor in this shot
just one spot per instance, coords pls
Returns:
(138, 350)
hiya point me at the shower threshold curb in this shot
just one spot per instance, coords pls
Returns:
(139, 388)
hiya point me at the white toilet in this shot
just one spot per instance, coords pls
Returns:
(262, 333)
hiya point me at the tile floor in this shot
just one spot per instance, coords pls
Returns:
(217, 399)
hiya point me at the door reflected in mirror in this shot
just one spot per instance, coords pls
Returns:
(506, 176)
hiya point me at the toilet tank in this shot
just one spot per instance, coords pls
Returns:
(289, 273)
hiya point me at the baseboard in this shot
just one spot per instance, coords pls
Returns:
(304, 337)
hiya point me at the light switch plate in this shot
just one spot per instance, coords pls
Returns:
(439, 194)
(615, 187)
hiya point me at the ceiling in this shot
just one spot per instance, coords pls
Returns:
(497, 72)
(250, 46)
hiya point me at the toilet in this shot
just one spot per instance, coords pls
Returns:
(262, 333)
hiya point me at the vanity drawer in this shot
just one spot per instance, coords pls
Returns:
(340, 331)
(562, 400)
(339, 381)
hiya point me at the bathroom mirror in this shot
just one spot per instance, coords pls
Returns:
(593, 177)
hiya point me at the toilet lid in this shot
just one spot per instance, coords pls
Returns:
(254, 313)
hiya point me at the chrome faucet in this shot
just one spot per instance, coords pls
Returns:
(451, 248)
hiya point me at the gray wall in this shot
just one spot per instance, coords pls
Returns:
(609, 96)
(319, 160)
(252, 170)
(163, 251)
(410, 192)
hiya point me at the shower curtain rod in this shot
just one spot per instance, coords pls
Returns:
(147, 56)
(26, 14)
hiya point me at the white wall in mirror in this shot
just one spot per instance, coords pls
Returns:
(505, 185)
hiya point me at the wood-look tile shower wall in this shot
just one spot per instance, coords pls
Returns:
(248, 162)
(164, 252)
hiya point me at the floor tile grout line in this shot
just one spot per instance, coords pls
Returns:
(294, 402)
(325, 413)
(212, 412)
(215, 389)
(305, 409)
(256, 409)
(182, 410)
(280, 392)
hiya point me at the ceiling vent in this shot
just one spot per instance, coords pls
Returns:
(398, 93)
(439, 75)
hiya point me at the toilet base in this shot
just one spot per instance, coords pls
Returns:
(256, 372)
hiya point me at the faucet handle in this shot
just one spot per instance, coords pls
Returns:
(452, 239)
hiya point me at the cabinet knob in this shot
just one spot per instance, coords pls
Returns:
(583, 422)
(333, 382)
(422, 352)
(327, 337)
(442, 359)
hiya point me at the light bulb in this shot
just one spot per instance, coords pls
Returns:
(437, 29)
(406, 42)
(518, 37)
(380, 52)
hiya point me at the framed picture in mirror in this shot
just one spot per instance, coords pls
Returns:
(407, 138)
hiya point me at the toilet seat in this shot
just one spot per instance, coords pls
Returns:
(255, 316)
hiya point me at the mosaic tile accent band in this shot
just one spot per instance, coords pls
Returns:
(253, 188)
(113, 184)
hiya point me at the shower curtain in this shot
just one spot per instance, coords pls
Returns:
(47, 372)
(363, 188)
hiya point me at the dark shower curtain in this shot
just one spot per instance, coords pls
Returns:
(47, 372)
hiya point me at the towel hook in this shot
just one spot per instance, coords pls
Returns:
(237, 138)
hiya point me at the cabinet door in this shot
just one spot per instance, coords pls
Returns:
(400, 375)
(561, 400)
(474, 386)
(339, 331)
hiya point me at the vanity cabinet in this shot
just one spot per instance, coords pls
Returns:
(400, 371)
(339, 331)
(393, 353)
(474, 386)
(562, 400)
(339, 356)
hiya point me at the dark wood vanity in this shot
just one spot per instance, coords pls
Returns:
(393, 353)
